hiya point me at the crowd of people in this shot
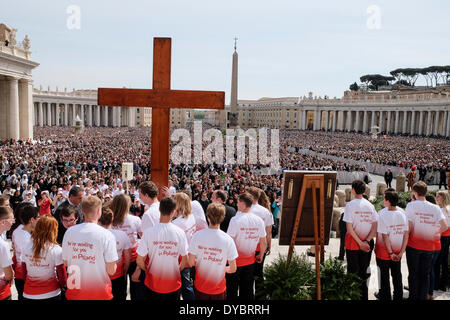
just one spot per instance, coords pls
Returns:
(71, 180)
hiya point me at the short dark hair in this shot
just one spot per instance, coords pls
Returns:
(359, 186)
(222, 195)
(27, 213)
(392, 197)
(167, 206)
(148, 188)
(246, 198)
(67, 211)
(75, 191)
(421, 188)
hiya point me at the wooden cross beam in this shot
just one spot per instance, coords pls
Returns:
(161, 99)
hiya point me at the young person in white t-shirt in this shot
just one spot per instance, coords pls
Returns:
(360, 217)
(422, 217)
(197, 211)
(123, 245)
(45, 274)
(209, 252)
(90, 255)
(392, 238)
(267, 217)
(186, 221)
(132, 226)
(247, 231)
(6, 264)
(441, 267)
(158, 253)
(29, 216)
(148, 195)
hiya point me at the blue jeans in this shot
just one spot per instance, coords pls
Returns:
(187, 288)
(419, 265)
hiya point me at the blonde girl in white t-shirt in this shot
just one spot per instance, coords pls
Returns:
(443, 200)
(186, 221)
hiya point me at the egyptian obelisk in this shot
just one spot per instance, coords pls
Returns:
(233, 115)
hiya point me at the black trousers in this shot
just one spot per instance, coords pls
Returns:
(155, 296)
(119, 288)
(20, 284)
(385, 287)
(342, 233)
(137, 290)
(358, 262)
(441, 266)
(259, 279)
(241, 281)
(419, 265)
(444, 183)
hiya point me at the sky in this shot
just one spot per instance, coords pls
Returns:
(286, 48)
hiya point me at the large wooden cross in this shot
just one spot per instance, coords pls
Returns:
(161, 98)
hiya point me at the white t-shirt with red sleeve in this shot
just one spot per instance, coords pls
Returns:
(162, 245)
(424, 216)
(212, 248)
(361, 214)
(41, 281)
(122, 243)
(5, 261)
(447, 216)
(132, 225)
(246, 229)
(151, 216)
(20, 239)
(187, 224)
(393, 224)
(87, 247)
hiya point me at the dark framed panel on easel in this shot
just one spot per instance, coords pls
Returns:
(292, 185)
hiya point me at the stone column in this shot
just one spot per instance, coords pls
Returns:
(66, 114)
(380, 123)
(57, 115)
(405, 120)
(326, 120)
(106, 117)
(413, 123)
(119, 113)
(341, 120)
(26, 109)
(364, 128)
(372, 120)
(40, 114)
(429, 124)
(13, 124)
(89, 115)
(98, 117)
(333, 125)
(357, 121)
(349, 121)
(388, 125)
(420, 123)
(303, 119)
(74, 114)
(315, 123)
(49, 114)
(436, 123)
(397, 116)
(448, 124)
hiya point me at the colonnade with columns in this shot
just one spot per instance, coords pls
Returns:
(65, 114)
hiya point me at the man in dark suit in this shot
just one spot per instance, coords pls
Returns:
(75, 198)
(220, 196)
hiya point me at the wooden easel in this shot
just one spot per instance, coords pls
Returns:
(312, 182)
